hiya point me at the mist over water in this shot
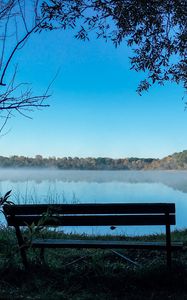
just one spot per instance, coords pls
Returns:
(77, 186)
(174, 179)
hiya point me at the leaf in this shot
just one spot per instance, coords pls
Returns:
(7, 194)
(10, 202)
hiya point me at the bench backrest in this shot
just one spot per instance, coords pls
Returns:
(91, 214)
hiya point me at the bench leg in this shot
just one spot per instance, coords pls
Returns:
(42, 258)
(21, 244)
(24, 257)
(168, 246)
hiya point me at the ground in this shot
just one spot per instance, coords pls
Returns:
(100, 274)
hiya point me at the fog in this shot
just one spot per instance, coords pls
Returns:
(76, 186)
(174, 179)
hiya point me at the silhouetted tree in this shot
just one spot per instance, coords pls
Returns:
(19, 19)
(156, 30)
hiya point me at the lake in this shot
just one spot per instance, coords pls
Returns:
(67, 186)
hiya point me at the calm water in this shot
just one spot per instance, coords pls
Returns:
(44, 186)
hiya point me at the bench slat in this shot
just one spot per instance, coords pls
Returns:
(91, 208)
(91, 220)
(58, 243)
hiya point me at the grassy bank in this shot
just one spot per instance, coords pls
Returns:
(98, 275)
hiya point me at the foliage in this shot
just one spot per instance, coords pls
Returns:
(5, 200)
(171, 162)
(155, 29)
(39, 228)
(181, 157)
(99, 275)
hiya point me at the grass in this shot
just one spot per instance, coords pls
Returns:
(99, 275)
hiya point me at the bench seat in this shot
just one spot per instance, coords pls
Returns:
(103, 244)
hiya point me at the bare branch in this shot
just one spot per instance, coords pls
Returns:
(19, 98)
(4, 123)
(16, 28)
(16, 47)
(23, 17)
(36, 3)
(7, 7)
(4, 41)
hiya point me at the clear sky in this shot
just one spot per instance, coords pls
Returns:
(94, 108)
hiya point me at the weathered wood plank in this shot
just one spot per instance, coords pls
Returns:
(84, 220)
(61, 243)
(90, 208)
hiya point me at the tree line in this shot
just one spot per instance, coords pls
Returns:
(171, 162)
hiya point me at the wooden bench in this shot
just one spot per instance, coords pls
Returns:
(115, 214)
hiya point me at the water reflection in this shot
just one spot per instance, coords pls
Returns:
(174, 179)
(47, 186)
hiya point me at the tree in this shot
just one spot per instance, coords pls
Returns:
(155, 29)
(19, 19)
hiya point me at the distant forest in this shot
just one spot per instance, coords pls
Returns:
(176, 161)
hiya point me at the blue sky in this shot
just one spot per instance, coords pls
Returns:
(94, 108)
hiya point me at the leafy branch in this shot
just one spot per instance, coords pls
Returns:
(4, 199)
